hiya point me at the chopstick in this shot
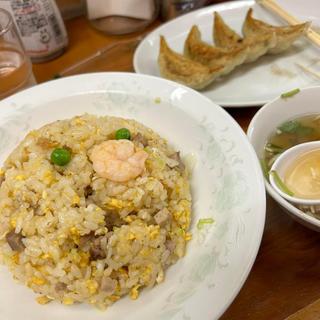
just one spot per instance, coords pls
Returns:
(306, 69)
(131, 42)
(275, 8)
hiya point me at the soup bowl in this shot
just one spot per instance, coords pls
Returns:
(265, 123)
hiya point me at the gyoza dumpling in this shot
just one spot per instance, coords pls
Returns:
(197, 50)
(223, 35)
(203, 63)
(285, 36)
(257, 44)
(176, 67)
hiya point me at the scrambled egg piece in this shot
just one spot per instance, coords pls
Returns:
(67, 301)
(154, 231)
(92, 286)
(114, 298)
(48, 177)
(45, 256)
(76, 199)
(13, 223)
(134, 292)
(84, 259)
(43, 300)
(118, 204)
(79, 121)
(20, 177)
(38, 281)
(183, 216)
(15, 258)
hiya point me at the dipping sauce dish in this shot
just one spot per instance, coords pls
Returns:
(295, 175)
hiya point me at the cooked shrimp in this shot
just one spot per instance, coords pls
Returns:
(117, 160)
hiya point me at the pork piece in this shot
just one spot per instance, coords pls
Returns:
(108, 285)
(60, 286)
(176, 156)
(2, 178)
(15, 241)
(140, 139)
(170, 245)
(94, 244)
(112, 219)
(88, 191)
(96, 250)
(86, 239)
(162, 216)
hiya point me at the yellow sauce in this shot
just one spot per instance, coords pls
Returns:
(303, 176)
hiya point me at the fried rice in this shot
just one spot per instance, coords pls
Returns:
(73, 236)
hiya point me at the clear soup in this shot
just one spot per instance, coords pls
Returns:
(289, 134)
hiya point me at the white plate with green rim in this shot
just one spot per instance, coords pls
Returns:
(252, 84)
(227, 186)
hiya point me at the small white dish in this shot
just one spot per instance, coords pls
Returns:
(227, 186)
(264, 124)
(252, 84)
(283, 163)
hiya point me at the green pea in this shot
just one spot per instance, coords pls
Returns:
(123, 133)
(60, 156)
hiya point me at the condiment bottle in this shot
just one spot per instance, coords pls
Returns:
(173, 8)
(122, 17)
(40, 27)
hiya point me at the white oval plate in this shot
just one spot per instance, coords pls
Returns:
(227, 185)
(251, 84)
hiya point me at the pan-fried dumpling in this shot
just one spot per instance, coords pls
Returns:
(223, 35)
(285, 36)
(211, 56)
(175, 66)
(257, 44)
(202, 63)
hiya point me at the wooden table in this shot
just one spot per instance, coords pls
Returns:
(286, 275)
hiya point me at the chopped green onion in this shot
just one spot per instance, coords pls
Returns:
(280, 183)
(289, 126)
(304, 131)
(272, 148)
(295, 127)
(157, 100)
(272, 160)
(202, 222)
(290, 93)
(265, 168)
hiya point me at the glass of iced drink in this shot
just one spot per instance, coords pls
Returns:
(15, 67)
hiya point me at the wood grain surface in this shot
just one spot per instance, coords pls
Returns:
(286, 275)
